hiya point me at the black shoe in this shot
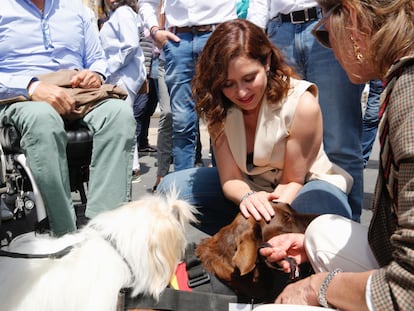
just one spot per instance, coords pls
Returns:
(82, 221)
(147, 149)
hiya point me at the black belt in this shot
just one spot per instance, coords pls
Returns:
(193, 29)
(299, 17)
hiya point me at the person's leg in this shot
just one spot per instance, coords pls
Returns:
(164, 138)
(181, 59)
(149, 109)
(130, 100)
(371, 118)
(333, 242)
(139, 110)
(179, 71)
(201, 187)
(321, 197)
(113, 126)
(340, 100)
(43, 138)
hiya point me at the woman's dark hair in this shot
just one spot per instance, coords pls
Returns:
(232, 39)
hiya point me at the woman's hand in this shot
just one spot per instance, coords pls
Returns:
(303, 292)
(257, 204)
(285, 245)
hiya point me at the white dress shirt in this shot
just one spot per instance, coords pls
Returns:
(182, 13)
(120, 40)
(260, 11)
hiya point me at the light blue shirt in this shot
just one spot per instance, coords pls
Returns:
(120, 40)
(32, 43)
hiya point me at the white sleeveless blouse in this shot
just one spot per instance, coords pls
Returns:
(272, 130)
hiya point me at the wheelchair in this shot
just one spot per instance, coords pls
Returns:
(21, 204)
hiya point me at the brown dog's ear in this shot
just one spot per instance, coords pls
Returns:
(245, 256)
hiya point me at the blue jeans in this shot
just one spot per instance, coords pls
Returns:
(371, 118)
(201, 187)
(340, 100)
(180, 65)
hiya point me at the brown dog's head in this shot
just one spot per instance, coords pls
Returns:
(232, 253)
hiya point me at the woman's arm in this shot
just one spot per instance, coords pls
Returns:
(346, 291)
(302, 147)
(233, 185)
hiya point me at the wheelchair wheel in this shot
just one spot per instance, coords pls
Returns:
(18, 203)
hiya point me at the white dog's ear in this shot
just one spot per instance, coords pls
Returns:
(183, 211)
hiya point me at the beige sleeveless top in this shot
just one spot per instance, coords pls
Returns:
(273, 125)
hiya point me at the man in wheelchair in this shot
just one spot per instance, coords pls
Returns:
(39, 37)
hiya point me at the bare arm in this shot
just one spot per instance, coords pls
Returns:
(234, 187)
(302, 147)
(346, 291)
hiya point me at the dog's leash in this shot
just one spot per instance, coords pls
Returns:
(294, 271)
(56, 255)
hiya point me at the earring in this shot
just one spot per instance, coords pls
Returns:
(357, 51)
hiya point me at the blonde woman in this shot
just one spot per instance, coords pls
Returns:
(372, 39)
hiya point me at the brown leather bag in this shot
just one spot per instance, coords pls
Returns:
(86, 99)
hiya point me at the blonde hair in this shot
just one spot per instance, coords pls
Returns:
(389, 24)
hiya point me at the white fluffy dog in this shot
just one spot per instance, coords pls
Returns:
(135, 246)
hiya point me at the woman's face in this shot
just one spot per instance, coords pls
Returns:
(246, 82)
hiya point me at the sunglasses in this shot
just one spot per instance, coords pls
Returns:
(319, 31)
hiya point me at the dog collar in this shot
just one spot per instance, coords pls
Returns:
(116, 249)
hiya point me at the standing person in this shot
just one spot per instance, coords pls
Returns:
(266, 131)
(371, 119)
(188, 26)
(289, 28)
(145, 106)
(120, 40)
(164, 137)
(372, 40)
(51, 46)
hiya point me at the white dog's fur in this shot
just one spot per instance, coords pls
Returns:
(148, 234)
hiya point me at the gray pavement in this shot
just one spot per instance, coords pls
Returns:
(149, 170)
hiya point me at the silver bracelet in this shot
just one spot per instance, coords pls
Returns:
(322, 291)
(247, 195)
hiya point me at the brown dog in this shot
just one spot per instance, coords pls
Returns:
(232, 253)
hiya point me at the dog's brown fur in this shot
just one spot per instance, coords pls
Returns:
(232, 253)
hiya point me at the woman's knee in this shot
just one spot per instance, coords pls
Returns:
(321, 197)
(196, 185)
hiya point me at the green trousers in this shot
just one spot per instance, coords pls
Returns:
(44, 144)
